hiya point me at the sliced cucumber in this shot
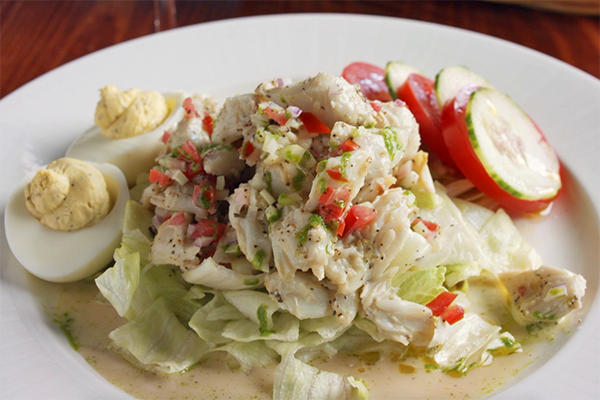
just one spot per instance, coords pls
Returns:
(511, 148)
(451, 79)
(396, 73)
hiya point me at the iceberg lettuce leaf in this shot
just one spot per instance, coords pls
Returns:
(297, 380)
(159, 341)
(119, 283)
(286, 328)
(420, 286)
(250, 355)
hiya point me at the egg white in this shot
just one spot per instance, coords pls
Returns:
(133, 155)
(58, 256)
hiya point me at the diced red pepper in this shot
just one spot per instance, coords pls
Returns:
(189, 151)
(192, 169)
(210, 228)
(330, 212)
(327, 196)
(246, 150)
(159, 178)
(190, 108)
(358, 217)
(347, 146)
(332, 203)
(522, 290)
(165, 137)
(376, 106)
(431, 226)
(453, 314)
(441, 302)
(336, 174)
(177, 219)
(276, 115)
(341, 227)
(208, 123)
(313, 124)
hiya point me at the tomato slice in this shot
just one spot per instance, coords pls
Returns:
(441, 302)
(419, 95)
(370, 78)
(456, 137)
(313, 124)
(358, 217)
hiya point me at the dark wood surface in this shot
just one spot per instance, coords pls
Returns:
(38, 36)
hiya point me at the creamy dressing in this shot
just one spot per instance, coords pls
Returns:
(87, 323)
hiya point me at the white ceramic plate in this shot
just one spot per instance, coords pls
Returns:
(41, 119)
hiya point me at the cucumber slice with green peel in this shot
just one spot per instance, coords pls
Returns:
(451, 79)
(396, 73)
(510, 146)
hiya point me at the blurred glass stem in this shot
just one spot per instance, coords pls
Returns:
(165, 15)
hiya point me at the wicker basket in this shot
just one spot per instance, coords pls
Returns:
(579, 7)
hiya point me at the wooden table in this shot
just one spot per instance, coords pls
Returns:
(38, 36)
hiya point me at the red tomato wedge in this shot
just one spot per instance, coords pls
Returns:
(441, 302)
(358, 217)
(460, 137)
(419, 95)
(313, 124)
(370, 78)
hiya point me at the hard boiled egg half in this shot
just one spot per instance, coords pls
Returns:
(133, 155)
(66, 256)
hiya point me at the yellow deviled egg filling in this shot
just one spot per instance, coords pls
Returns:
(128, 113)
(69, 222)
(68, 195)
